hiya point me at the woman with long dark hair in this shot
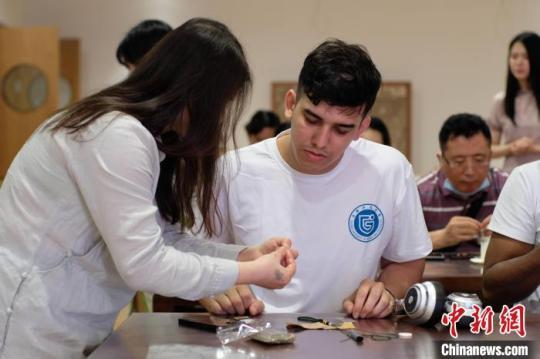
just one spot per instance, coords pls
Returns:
(95, 204)
(514, 114)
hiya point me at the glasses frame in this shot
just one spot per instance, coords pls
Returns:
(462, 166)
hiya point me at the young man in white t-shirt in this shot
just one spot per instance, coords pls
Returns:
(514, 249)
(350, 205)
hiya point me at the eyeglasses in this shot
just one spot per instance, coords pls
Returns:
(460, 162)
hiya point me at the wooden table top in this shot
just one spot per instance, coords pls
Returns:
(452, 268)
(157, 335)
(456, 275)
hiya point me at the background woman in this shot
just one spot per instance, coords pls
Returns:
(514, 115)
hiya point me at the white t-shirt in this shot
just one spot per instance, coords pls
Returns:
(342, 222)
(517, 214)
(80, 231)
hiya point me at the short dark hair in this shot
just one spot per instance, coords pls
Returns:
(463, 124)
(339, 74)
(378, 125)
(282, 127)
(260, 120)
(139, 40)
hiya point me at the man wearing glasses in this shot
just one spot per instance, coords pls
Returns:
(459, 198)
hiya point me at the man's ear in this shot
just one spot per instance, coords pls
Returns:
(364, 125)
(440, 159)
(290, 103)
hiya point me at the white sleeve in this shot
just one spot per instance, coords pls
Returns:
(515, 213)
(189, 242)
(116, 174)
(410, 239)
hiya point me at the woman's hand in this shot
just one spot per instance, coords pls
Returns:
(521, 146)
(268, 246)
(272, 271)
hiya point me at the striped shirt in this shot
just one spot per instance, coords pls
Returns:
(439, 204)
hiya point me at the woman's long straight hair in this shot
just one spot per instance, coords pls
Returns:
(531, 42)
(196, 78)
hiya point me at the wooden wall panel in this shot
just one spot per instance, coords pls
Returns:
(70, 66)
(39, 47)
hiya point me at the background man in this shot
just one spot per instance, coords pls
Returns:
(139, 40)
(459, 198)
(263, 125)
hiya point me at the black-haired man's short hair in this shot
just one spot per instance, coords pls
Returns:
(378, 125)
(260, 120)
(283, 127)
(463, 124)
(139, 40)
(339, 74)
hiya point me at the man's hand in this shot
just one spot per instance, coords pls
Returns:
(461, 229)
(370, 300)
(484, 224)
(268, 246)
(235, 301)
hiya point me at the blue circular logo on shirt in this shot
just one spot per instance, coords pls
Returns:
(366, 222)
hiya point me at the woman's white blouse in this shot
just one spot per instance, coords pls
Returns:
(80, 232)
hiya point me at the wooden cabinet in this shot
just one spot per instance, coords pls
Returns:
(29, 71)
